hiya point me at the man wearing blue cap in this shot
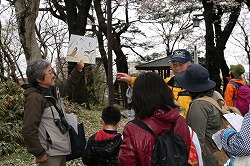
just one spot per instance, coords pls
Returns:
(180, 60)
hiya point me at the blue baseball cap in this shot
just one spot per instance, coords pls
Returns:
(182, 56)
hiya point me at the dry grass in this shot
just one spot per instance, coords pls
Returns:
(91, 121)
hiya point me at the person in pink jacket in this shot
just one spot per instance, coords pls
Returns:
(154, 105)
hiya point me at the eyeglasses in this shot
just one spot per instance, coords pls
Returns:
(50, 72)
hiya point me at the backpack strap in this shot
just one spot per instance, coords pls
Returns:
(142, 125)
(210, 100)
(237, 85)
(210, 143)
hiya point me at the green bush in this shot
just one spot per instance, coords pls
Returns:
(11, 114)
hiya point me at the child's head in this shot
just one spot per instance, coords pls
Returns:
(111, 115)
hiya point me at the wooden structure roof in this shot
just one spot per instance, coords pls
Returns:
(162, 66)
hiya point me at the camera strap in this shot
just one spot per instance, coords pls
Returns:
(62, 124)
(60, 112)
(53, 113)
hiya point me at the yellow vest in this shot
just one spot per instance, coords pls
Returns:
(182, 99)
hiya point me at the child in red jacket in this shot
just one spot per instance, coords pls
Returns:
(103, 146)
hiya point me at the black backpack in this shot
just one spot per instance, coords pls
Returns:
(169, 150)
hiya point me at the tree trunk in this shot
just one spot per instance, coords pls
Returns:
(212, 63)
(26, 14)
(215, 59)
(121, 60)
(222, 39)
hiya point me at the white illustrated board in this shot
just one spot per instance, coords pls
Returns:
(81, 48)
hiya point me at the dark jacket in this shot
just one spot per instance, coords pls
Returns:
(40, 133)
(137, 146)
(102, 149)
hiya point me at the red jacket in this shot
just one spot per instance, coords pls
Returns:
(137, 146)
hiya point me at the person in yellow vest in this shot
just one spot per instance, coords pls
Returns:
(180, 60)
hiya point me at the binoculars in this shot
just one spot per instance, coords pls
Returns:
(62, 124)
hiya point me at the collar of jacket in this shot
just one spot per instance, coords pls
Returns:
(47, 92)
(172, 82)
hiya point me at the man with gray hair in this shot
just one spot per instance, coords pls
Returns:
(45, 130)
(180, 60)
